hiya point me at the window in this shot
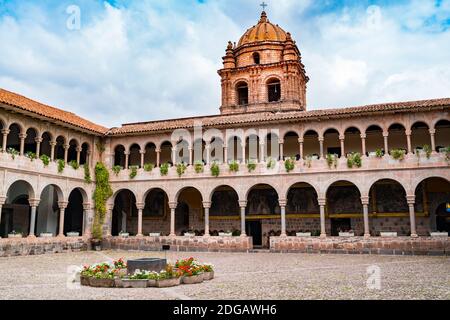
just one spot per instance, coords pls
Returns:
(274, 90)
(242, 93)
(256, 58)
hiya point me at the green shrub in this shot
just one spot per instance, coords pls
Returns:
(215, 170)
(13, 152)
(61, 165)
(148, 167)
(289, 164)
(251, 166)
(398, 154)
(74, 164)
(332, 160)
(199, 167)
(354, 159)
(45, 160)
(116, 170)
(164, 169)
(133, 172)
(234, 166)
(427, 150)
(102, 193)
(181, 169)
(379, 153)
(31, 155)
(87, 173)
(271, 163)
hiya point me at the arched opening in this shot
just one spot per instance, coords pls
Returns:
(156, 214)
(272, 146)
(242, 93)
(189, 214)
(274, 90)
(13, 140)
(60, 148)
(302, 199)
(331, 142)
(46, 147)
(119, 156)
(262, 214)
(73, 218)
(432, 196)
(387, 202)
(30, 141)
(252, 148)
(256, 58)
(374, 139)
(345, 208)
(150, 154)
(397, 137)
(199, 151)
(311, 145)
(135, 156)
(16, 211)
(47, 220)
(224, 205)
(217, 150)
(182, 152)
(2, 127)
(353, 140)
(166, 153)
(442, 135)
(234, 149)
(125, 213)
(291, 145)
(420, 136)
(84, 153)
(72, 153)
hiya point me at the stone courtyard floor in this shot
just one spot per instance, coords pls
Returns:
(240, 276)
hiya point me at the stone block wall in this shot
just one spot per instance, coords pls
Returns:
(37, 246)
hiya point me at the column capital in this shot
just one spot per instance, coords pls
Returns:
(365, 200)
(322, 201)
(79, 149)
(142, 151)
(408, 132)
(53, 143)
(411, 199)
(321, 139)
(38, 140)
(140, 205)
(2, 200)
(6, 131)
(432, 131)
(281, 141)
(127, 153)
(363, 136)
(157, 150)
(23, 136)
(62, 204)
(242, 203)
(342, 137)
(34, 202)
(206, 204)
(173, 205)
(87, 206)
(66, 146)
(282, 202)
(385, 134)
(301, 140)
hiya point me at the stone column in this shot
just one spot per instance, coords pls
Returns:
(342, 140)
(323, 232)
(386, 144)
(301, 142)
(281, 143)
(38, 146)
(158, 157)
(34, 203)
(127, 160)
(365, 204)
(243, 205)
(5, 133)
(173, 207)
(262, 149)
(243, 152)
(207, 206)
(87, 227)
(2, 202)
(282, 204)
(433, 140)
(408, 141)
(191, 156)
(52, 150)
(208, 153)
(363, 144)
(321, 139)
(140, 207)
(78, 154)
(62, 208)
(66, 152)
(412, 215)
(174, 156)
(225, 153)
(142, 152)
(22, 138)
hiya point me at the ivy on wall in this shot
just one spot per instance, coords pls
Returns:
(102, 193)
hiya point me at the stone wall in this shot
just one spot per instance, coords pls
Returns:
(37, 246)
(360, 245)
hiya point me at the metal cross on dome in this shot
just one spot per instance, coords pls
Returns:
(264, 5)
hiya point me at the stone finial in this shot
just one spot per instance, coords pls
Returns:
(230, 45)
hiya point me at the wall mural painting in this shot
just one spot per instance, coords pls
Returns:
(225, 203)
(263, 202)
(344, 199)
(302, 200)
(155, 204)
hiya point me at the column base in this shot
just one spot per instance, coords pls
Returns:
(367, 235)
(172, 235)
(243, 234)
(139, 235)
(61, 236)
(414, 235)
(283, 235)
(207, 236)
(323, 235)
(31, 236)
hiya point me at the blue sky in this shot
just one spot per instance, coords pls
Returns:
(151, 59)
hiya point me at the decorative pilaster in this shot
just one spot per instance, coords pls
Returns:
(365, 204)
(140, 207)
(62, 208)
(207, 206)
(38, 146)
(173, 207)
(363, 144)
(22, 138)
(34, 203)
(243, 206)
(412, 215)
(323, 232)
(283, 204)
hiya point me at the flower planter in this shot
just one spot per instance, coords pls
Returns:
(207, 276)
(304, 234)
(84, 281)
(189, 234)
(124, 235)
(372, 154)
(14, 236)
(96, 245)
(154, 234)
(388, 234)
(136, 284)
(346, 234)
(314, 157)
(151, 283)
(46, 235)
(225, 234)
(118, 282)
(439, 234)
(73, 234)
(102, 283)
(166, 283)
(193, 279)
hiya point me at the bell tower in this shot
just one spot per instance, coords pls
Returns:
(263, 72)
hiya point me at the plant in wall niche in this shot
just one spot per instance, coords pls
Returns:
(164, 169)
(234, 166)
(31, 155)
(45, 160)
(289, 164)
(181, 169)
(74, 164)
(398, 154)
(354, 160)
(61, 165)
(271, 163)
(116, 170)
(102, 193)
(379, 153)
(332, 160)
(148, 167)
(87, 173)
(215, 170)
(13, 152)
(251, 166)
(133, 172)
(100, 146)
(199, 167)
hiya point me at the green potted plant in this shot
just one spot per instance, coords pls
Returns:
(116, 170)
(215, 169)
(208, 271)
(31, 155)
(148, 167)
(199, 167)
(138, 280)
(271, 163)
(45, 160)
(168, 278)
(87, 174)
(133, 172)
(332, 160)
(61, 165)
(354, 160)
(251, 166)
(13, 152)
(74, 164)
(181, 169)
(398, 154)
(233, 166)
(289, 164)
(164, 169)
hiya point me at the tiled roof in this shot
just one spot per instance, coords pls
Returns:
(248, 118)
(25, 104)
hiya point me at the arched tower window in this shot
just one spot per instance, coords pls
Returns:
(257, 58)
(242, 93)
(274, 90)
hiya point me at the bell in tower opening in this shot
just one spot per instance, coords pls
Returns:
(263, 72)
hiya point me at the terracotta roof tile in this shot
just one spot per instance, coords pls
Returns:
(245, 119)
(23, 103)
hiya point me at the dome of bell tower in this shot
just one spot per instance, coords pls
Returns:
(263, 31)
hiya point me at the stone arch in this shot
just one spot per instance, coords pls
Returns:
(311, 145)
(74, 213)
(274, 89)
(150, 153)
(134, 157)
(48, 212)
(331, 143)
(234, 145)
(183, 188)
(374, 138)
(262, 198)
(241, 89)
(60, 147)
(189, 211)
(397, 136)
(26, 185)
(291, 146)
(299, 202)
(352, 139)
(30, 141)
(217, 151)
(13, 139)
(420, 135)
(72, 152)
(272, 146)
(442, 134)
(119, 155)
(85, 151)
(124, 209)
(166, 152)
(46, 148)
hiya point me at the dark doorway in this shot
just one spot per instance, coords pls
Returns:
(6, 225)
(340, 225)
(254, 230)
(442, 218)
(182, 218)
(73, 220)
